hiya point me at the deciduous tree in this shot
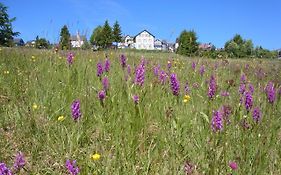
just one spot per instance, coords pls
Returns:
(188, 44)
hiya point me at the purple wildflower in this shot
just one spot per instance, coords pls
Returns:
(186, 88)
(72, 168)
(140, 75)
(260, 73)
(242, 88)
(105, 84)
(107, 65)
(99, 69)
(75, 109)
(123, 60)
(243, 79)
(233, 165)
(226, 112)
(129, 69)
(224, 94)
(251, 88)
(217, 123)
(156, 70)
(19, 161)
(202, 70)
(162, 76)
(4, 170)
(245, 124)
(193, 65)
(175, 84)
(136, 99)
(248, 101)
(212, 87)
(70, 58)
(101, 95)
(270, 92)
(256, 114)
(195, 85)
(188, 168)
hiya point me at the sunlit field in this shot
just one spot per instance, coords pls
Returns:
(126, 112)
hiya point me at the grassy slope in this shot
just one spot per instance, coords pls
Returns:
(155, 137)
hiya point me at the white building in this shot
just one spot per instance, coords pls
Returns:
(129, 41)
(144, 40)
(279, 53)
(77, 41)
(158, 45)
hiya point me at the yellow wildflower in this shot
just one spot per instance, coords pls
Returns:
(186, 98)
(95, 156)
(34, 106)
(33, 57)
(61, 118)
(90, 60)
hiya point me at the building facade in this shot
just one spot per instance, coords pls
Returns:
(77, 41)
(144, 40)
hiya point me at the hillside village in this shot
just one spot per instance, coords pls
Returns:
(144, 40)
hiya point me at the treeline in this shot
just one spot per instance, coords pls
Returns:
(237, 47)
(102, 36)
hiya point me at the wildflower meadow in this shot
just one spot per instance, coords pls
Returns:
(127, 112)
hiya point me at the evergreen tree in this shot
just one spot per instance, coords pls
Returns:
(6, 30)
(65, 43)
(106, 39)
(188, 44)
(117, 32)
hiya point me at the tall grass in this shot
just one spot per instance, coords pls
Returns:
(159, 135)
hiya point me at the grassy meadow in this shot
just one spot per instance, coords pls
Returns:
(160, 134)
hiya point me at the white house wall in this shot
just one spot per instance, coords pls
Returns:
(76, 44)
(144, 41)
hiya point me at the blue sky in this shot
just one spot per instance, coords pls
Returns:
(214, 21)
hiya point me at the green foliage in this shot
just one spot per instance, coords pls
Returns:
(86, 45)
(106, 35)
(117, 34)
(188, 44)
(238, 47)
(260, 52)
(65, 43)
(42, 43)
(96, 37)
(6, 29)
